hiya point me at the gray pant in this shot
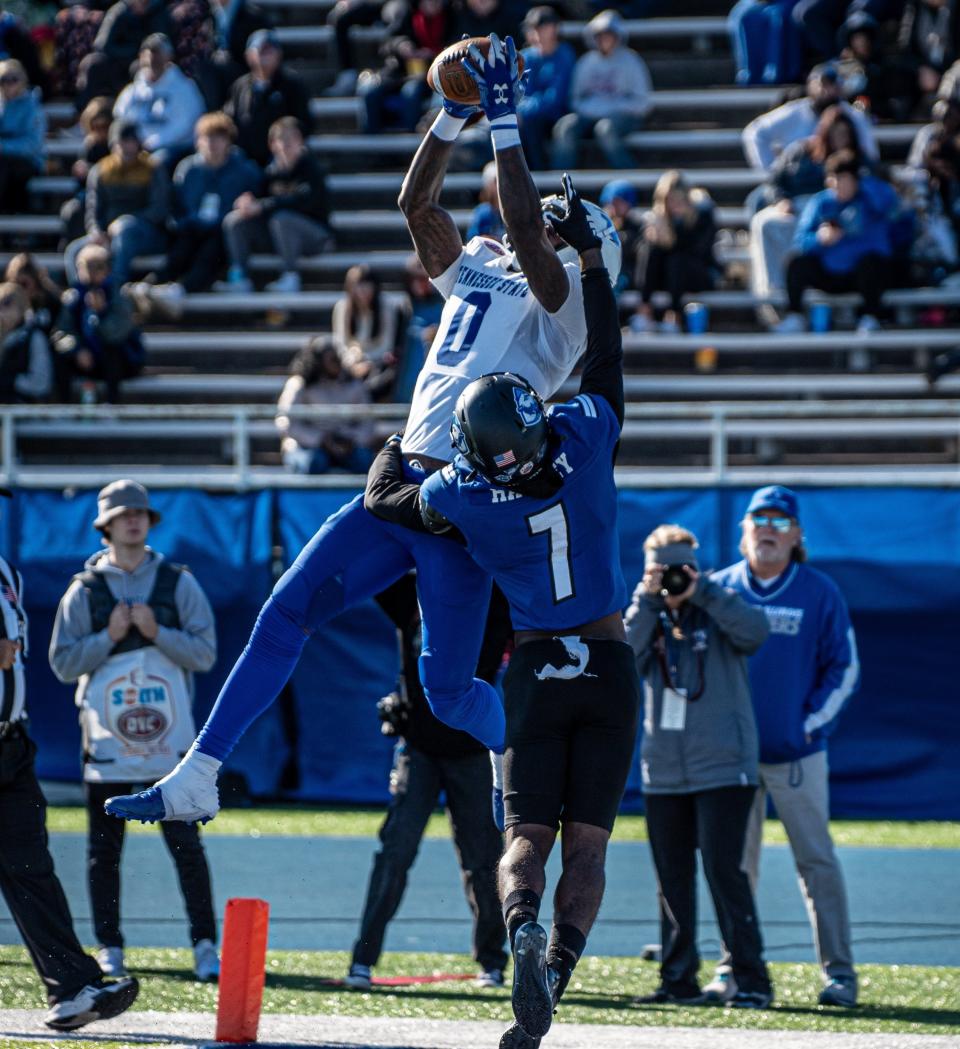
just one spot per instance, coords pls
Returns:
(289, 233)
(799, 790)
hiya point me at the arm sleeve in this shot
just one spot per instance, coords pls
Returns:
(74, 648)
(194, 645)
(603, 363)
(641, 625)
(761, 135)
(37, 380)
(745, 626)
(91, 220)
(839, 668)
(392, 498)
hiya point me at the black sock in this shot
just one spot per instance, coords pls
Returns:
(566, 945)
(520, 907)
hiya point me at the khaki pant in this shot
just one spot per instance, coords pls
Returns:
(799, 790)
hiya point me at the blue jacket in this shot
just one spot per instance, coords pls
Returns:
(865, 221)
(23, 127)
(808, 669)
(547, 94)
(203, 195)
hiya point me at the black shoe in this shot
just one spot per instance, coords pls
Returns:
(97, 1001)
(532, 997)
(751, 1000)
(661, 996)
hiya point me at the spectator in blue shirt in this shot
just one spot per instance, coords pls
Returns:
(801, 680)
(843, 240)
(549, 63)
(23, 127)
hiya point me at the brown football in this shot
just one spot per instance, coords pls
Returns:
(448, 76)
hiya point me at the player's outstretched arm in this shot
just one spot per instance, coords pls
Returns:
(603, 362)
(435, 234)
(501, 88)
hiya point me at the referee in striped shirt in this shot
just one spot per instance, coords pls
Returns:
(76, 991)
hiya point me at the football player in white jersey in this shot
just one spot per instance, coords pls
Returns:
(516, 307)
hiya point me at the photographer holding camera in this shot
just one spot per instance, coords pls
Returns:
(431, 758)
(699, 756)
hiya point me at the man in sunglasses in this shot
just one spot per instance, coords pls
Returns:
(801, 679)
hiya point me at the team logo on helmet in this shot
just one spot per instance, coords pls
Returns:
(528, 407)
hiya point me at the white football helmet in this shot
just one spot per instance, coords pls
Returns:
(603, 227)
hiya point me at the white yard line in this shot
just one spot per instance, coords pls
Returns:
(341, 1032)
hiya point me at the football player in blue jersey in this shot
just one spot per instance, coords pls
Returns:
(506, 308)
(531, 494)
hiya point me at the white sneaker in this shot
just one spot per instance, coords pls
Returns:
(721, 988)
(94, 1002)
(110, 960)
(359, 978)
(234, 286)
(792, 324)
(206, 962)
(491, 978)
(287, 283)
(867, 324)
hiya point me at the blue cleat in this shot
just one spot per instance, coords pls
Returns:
(188, 794)
(147, 806)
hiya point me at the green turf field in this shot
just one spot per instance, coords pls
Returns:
(894, 998)
(315, 821)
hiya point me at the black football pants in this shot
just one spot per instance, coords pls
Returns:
(715, 821)
(28, 881)
(104, 845)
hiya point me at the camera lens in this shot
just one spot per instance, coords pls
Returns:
(674, 580)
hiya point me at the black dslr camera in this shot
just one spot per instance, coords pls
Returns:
(674, 580)
(394, 713)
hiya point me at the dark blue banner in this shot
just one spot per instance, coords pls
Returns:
(894, 552)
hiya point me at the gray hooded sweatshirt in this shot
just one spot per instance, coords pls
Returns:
(75, 651)
(717, 743)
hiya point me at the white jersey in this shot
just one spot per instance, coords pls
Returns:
(492, 322)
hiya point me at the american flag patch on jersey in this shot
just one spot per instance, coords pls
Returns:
(10, 594)
(507, 459)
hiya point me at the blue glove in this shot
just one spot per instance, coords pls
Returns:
(458, 109)
(497, 76)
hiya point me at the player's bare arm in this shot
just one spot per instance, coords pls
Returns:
(520, 207)
(500, 86)
(435, 234)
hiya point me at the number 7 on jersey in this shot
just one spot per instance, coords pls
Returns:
(553, 520)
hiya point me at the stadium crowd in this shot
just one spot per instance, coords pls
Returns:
(195, 151)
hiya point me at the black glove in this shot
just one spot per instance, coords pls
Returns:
(569, 219)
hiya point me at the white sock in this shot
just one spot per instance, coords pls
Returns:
(496, 763)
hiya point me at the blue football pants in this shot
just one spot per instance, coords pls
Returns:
(352, 557)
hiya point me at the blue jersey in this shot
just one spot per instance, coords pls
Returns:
(556, 559)
(807, 670)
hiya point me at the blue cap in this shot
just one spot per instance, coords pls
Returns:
(261, 38)
(619, 187)
(775, 497)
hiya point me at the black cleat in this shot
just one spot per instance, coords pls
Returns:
(515, 1037)
(532, 995)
